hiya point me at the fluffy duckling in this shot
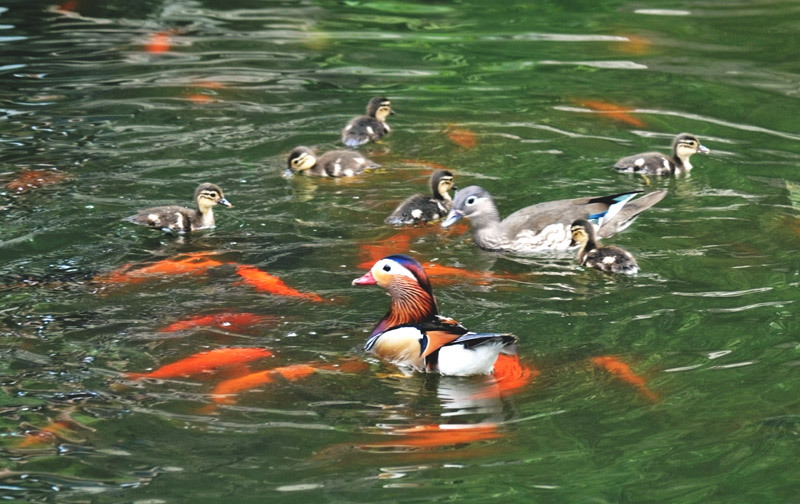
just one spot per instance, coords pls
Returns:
(372, 126)
(610, 259)
(337, 163)
(656, 163)
(182, 220)
(422, 208)
(545, 226)
(413, 334)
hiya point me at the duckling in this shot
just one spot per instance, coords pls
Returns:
(337, 163)
(545, 226)
(372, 126)
(656, 163)
(181, 220)
(422, 208)
(610, 259)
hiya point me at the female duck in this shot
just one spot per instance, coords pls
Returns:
(420, 208)
(182, 220)
(656, 163)
(545, 226)
(413, 334)
(337, 163)
(372, 126)
(610, 259)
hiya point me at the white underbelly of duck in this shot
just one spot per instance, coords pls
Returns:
(455, 360)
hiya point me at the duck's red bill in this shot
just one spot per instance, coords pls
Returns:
(367, 279)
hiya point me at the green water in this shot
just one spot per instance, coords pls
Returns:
(710, 324)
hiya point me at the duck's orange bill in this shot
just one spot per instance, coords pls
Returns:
(205, 362)
(611, 110)
(225, 321)
(264, 282)
(623, 371)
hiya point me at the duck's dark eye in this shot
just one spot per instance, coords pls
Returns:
(471, 200)
(386, 267)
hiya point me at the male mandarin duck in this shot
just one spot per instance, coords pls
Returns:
(609, 258)
(336, 163)
(372, 126)
(656, 163)
(413, 334)
(423, 208)
(545, 226)
(181, 220)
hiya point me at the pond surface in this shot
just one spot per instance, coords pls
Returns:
(678, 385)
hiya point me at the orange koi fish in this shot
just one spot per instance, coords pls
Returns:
(634, 44)
(50, 434)
(224, 320)
(613, 111)
(199, 98)
(510, 376)
(158, 43)
(463, 137)
(204, 362)
(264, 282)
(225, 389)
(621, 370)
(192, 264)
(34, 179)
(436, 435)
(69, 5)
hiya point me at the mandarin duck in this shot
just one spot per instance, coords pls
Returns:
(421, 208)
(336, 163)
(178, 219)
(372, 126)
(592, 254)
(545, 226)
(413, 334)
(656, 163)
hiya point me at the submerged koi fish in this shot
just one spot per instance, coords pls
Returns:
(509, 376)
(193, 264)
(199, 98)
(224, 320)
(52, 433)
(462, 136)
(438, 435)
(624, 373)
(264, 282)
(613, 111)
(204, 362)
(34, 179)
(158, 43)
(225, 389)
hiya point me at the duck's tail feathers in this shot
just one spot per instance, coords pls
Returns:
(626, 214)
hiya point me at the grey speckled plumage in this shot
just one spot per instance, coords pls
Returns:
(656, 163)
(336, 163)
(421, 208)
(371, 126)
(545, 226)
(592, 254)
(178, 219)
